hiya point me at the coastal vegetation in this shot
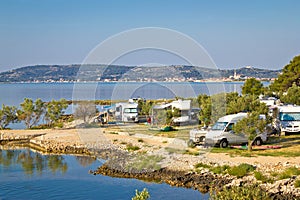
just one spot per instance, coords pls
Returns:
(240, 193)
(141, 195)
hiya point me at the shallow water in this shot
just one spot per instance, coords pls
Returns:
(25, 174)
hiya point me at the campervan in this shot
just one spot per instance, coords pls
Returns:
(127, 112)
(289, 118)
(221, 134)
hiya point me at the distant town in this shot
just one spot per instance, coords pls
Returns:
(119, 73)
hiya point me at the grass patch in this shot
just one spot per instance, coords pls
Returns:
(145, 162)
(289, 172)
(220, 169)
(164, 141)
(202, 165)
(297, 183)
(238, 171)
(263, 178)
(241, 170)
(131, 147)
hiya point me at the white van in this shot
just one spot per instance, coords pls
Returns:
(221, 134)
(289, 118)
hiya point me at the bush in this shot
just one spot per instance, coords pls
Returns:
(297, 184)
(143, 195)
(202, 165)
(260, 177)
(131, 147)
(289, 172)
(240, 193)
(220, 169)
(240, 170)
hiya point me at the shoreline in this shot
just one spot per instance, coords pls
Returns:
(175, 169)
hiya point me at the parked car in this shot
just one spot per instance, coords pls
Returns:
(221, 134)
(197, 137)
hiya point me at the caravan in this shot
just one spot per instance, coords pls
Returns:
(127, 112)
(289, 118)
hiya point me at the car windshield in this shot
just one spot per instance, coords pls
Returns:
(130, 110)
(289, 116)
(219, 126)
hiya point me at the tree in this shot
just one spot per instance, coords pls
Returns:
(292, 96)
(252, 87)
(8, 114)
(54, 110)
(85, 111)
(31, 112)
(247, 103)
(144, 107)
(250, 126)
(290, 74)
(205, 109)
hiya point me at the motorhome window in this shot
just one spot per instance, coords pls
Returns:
(130, 110)
(219, 126)
(289, 116)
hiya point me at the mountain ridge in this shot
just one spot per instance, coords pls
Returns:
(98, 72)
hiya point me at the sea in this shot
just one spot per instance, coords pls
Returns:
(26, 174)
(14, 93)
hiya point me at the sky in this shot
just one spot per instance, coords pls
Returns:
(235, 33)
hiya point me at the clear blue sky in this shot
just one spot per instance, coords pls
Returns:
(262, 33)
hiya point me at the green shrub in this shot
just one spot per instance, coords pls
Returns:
(143, 195)
(240, 193)
(131, 147)
(289, 172)
(202, 165)
(240, 170)
(261, 177)
(220, 169)
(297, 183)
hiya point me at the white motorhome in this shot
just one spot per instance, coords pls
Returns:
(127, 112)
(289, 118)
(188, 114)
(221, 134)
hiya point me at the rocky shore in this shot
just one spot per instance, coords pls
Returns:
(175, 168)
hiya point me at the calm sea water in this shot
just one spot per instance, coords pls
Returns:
(14, 93)
(25, 174)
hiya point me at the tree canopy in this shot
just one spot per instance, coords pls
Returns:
(290, 74)
(252, 87)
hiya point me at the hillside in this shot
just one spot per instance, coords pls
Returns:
(76, 72)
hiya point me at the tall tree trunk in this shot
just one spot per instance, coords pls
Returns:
(249, 145)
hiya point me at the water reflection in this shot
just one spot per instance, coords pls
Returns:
(32, 161)
(85, 160)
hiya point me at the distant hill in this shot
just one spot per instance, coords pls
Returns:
(76, 72)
